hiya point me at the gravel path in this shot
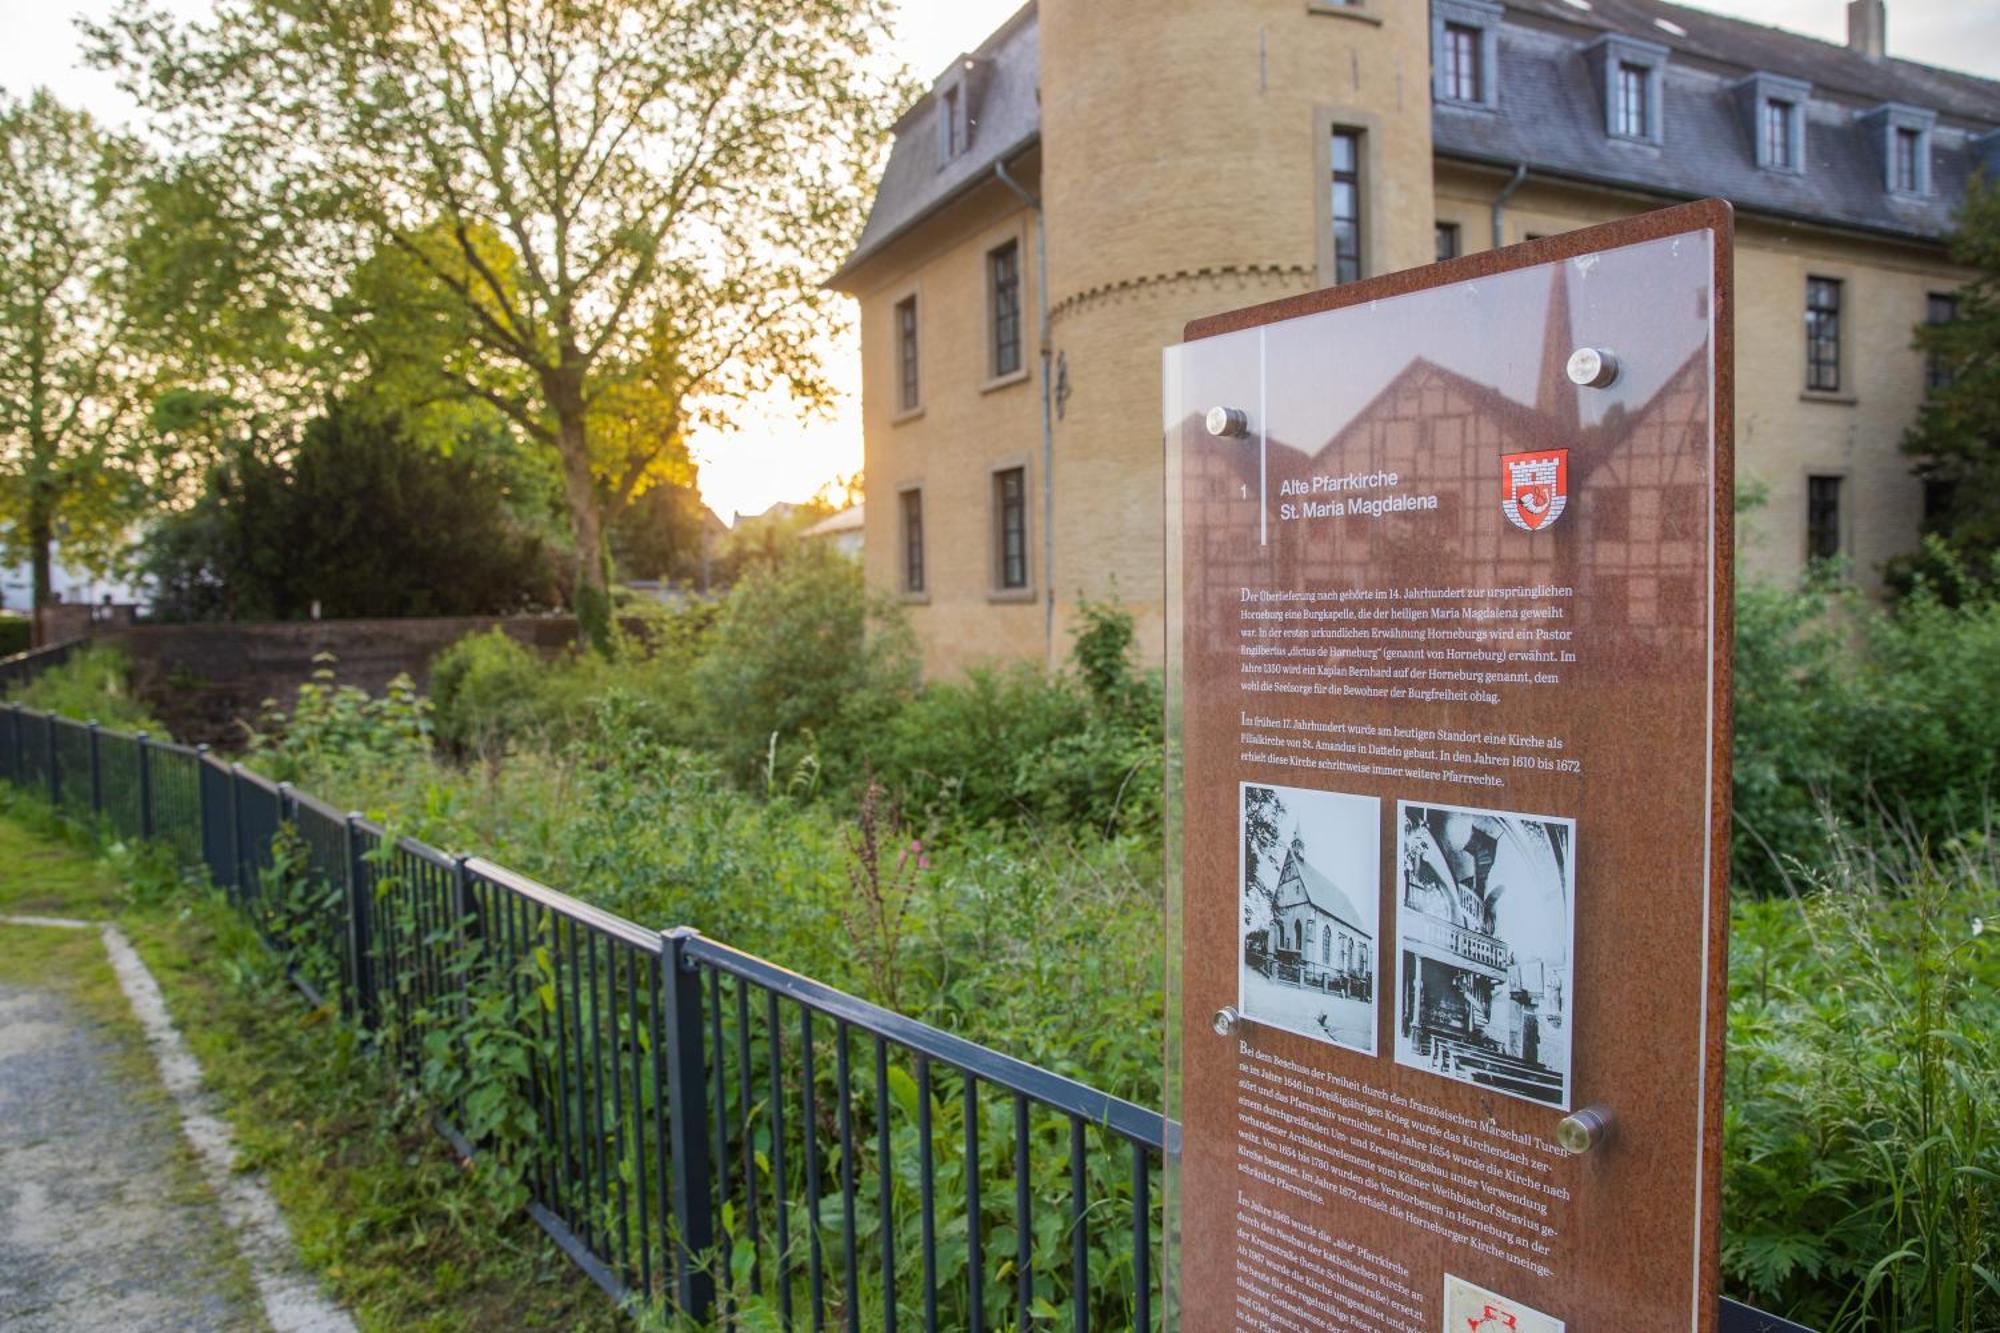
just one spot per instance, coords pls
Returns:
(104, 1223)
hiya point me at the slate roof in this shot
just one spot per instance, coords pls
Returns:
(1551, 115)
(1007, 113)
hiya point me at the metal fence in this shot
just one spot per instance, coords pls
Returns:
(694, 1126)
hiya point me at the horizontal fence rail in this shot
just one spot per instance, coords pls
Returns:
(697, 1128)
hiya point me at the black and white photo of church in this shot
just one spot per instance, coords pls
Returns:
(1485, 918)
(1311, 902)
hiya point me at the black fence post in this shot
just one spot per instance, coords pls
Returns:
(687, 1114)
(19, 770)
(203, 840)
(360, 902)
(242, 893)
(55, 775)
(145, 744)
(96, 772)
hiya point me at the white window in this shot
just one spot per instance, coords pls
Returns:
(1465, 51)
(1774, 108)
(1905, 147)
(1631, 74)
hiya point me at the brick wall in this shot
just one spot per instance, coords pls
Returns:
(208, 682)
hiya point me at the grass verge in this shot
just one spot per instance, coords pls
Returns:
(394, 1226)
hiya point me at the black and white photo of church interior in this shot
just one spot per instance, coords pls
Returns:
(1485, 912)
(1311, 907)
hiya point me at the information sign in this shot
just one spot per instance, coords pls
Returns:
(1449, 601)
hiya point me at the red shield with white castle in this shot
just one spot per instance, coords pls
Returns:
(1534, 488)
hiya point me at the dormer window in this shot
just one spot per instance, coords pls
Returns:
(1906, 148)
(954, 111)
(1775, 112)
(1630, 73)
(1465, 51)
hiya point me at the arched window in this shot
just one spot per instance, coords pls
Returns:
(1326, 944)
(1299, 936)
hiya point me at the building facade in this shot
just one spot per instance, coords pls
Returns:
(1098, 172)
(1315, 938)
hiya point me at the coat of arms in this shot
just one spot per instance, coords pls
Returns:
(1534, 488)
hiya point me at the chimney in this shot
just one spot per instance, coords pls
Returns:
(1868, 27)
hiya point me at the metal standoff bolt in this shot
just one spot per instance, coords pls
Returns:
(1580, 1131)
(1226, 1019)
(1592, 368)
(1230, 423)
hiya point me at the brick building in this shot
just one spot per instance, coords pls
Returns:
(1096, 173)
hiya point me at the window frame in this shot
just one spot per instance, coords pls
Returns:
(912, 555)
(1480, 20)
(1823, 330)
(906, 328)
(1356, 179)
(1012, 573)
(1826, 537)
(1450, 241)
(1762, 94)
(1901, 123)
(1937, 375)
(998, 316)
(1616, 55)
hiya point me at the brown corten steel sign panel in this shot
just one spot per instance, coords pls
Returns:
(1449, 628)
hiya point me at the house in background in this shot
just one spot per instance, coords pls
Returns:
(842, 532)
(1098, 172)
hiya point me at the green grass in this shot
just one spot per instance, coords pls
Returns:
(398, 1230)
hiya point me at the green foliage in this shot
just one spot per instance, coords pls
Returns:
(16, 635)
(1956, 439)
(1080, 749)
(1862, 1185)
(333, 728)
(801, 660)
(357, 520)
(71, 461)
(93, 684)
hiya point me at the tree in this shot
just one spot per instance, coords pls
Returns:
(356, 521)
(1263, 811)
(70, 463)
(1956, 439)
(621, 208)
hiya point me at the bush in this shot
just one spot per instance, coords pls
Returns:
(16, 635)
(94, 684)
(802, 665)
(333, 728)
(1862, 1163)
(1080, 749)
(485, 692)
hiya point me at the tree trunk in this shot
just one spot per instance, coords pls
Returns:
(41, 537)
(592, 596)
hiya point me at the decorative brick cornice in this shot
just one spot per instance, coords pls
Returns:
(1180, 278)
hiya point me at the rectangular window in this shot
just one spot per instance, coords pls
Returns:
(1778, 135)
(1010, 517)
(951, 143)
(1822, 518)
(1003, 283)
(1631, 115)
(1447, 241)
(911, 396)
(1904, 175)
(1464, 80)
(1939, 308)
(1823, 335)
(1346, 205)
(913, 541)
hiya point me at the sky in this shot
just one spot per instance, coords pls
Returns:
(778, 453)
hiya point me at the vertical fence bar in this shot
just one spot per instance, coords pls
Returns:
(1142, 1245)
(1079, 1235)
(844, 1109)
(236, 832)
(687, 1108)
(55, 778)
(145, 746)
(96, 771)
(927, 1192)
(1024, 1273)
(779, 1203)
(749, 1153)
(975, 1260)
(884, 1167)
(816, 1267)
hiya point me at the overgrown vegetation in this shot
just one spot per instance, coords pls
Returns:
(984, 853)
(93, 684)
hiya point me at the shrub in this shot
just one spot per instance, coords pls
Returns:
(485, 692)
(93, 684)
(332, 727)
(16, 635)
(802, 662)
(1862, 1163)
